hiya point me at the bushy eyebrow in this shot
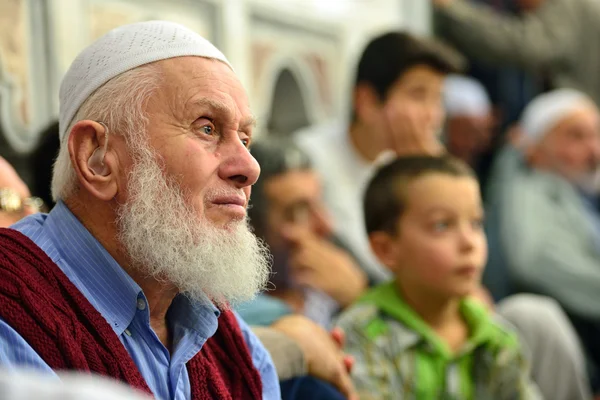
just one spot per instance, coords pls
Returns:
(223, 109)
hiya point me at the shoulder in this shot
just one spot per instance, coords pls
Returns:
(316, 140)
(259, 354)
(261, 359)
(504, 332)
(362, 322)
(16, 353)
(535, 181)
(533, 192)
(263, 311)
(357, 315)
(18, 253)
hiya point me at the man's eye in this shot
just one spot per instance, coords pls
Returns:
(207, 129)
(246, 142)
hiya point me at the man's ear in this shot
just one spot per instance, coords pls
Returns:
(365, 100)
(385, 248)
(93, 159)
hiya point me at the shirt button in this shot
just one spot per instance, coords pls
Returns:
(141, 304)
(127, 332)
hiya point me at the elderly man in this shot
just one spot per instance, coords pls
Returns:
(549, 225)
(134, 269)
(552, 37)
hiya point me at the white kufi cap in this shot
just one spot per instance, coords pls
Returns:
(545, 111)
(121, 50)
(465, 97)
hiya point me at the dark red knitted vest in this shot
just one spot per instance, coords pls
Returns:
(53, 316)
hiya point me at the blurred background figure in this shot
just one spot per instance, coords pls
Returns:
(470, 122)
(547, 225)
(312, 274)
(42, 162)
(546, 39)
(15, 199)
(396, 109)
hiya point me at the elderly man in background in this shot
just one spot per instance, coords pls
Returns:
(557, 38)
(132, 273)
(549, 225)
(469, 129)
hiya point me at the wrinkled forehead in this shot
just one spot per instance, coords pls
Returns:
(583, 119)
(191, 82)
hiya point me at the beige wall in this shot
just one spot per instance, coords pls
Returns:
(317, 41)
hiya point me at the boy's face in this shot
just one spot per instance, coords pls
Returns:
(440, 246)
(417, 94)
(411, 111)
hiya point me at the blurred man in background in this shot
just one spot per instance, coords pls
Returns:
(396, 109)
(557, 38)
(312, 274)
(470, 122)
(549, 228)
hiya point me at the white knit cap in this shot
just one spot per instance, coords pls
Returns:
(545, 111)
(466, 97)
(121, 50)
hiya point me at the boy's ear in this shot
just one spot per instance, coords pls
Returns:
(383, 246)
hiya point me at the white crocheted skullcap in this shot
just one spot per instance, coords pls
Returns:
(545, 111)
(465, 97)
(121, 50)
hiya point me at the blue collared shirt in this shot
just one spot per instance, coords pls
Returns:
(122, 303)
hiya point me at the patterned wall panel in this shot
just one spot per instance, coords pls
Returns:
(310, 52)
(24, 99)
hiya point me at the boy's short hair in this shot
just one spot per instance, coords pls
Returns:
(388, 56)
(384, 200)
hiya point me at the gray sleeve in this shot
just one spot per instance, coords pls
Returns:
(287, 355)
(534, 41)
(545, 253)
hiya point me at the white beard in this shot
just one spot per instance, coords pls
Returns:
(166, 240)
(589, 183)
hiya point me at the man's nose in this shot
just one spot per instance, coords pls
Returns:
(239, 166)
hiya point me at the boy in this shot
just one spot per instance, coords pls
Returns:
(420, 336)
(396, 109)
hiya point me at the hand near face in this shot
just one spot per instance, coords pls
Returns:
(317, 263)
(322, 350)
(409, 133)
(9, 179)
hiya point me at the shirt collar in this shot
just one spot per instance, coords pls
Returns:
(199, 316)
(387, 298)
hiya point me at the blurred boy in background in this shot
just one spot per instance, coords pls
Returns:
(396, 109)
